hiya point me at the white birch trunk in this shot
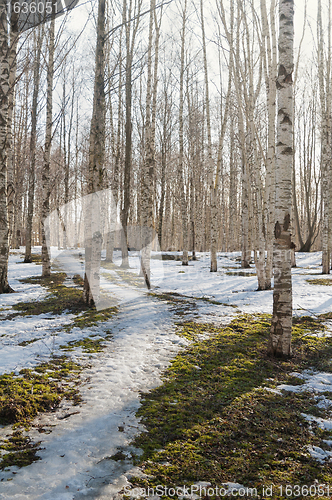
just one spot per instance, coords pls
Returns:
(281, 327)
(148, 167)
(10, 150)
(4, 90)
(183, 201)
(325, 135)
(46, 262)
(270, 65)
(93, 229)
(32, 147)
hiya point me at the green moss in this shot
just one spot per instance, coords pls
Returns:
(177, 298)
(122, 276)
(16, 442)
(325, 316)
(212, 420)
(187, 330)
(118, 456)
(308, 323)
(62, 299)
(36, 258)
(166, 256)
(21, 451)
(320, 281)
(78, 280)
(31, 392)
(27, 342)
(88, 345)
(240, 273)
(91, 317)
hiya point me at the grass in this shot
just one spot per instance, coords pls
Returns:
(166, 256)
(240, 273)
(122, 276)
(88, 344)
(27, 342)
(211, 420)
(175, 298)
(62, 299)
(92, 317)
(30, 392)
(19, 451)
(23, 396)
(35, 258)
(320, 281)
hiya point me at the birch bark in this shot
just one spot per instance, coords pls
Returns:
(14, 36)
(117, 153)
(46, 263)
(32, 148)
(324, 93)
(184, 217)
(4, 90)
(147, 173)
(93, 229)
(131, 28)
(281, 327)
(270, 66)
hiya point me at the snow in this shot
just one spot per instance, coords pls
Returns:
(312, 381)
(319, 454)
(75, 451)
(316, 383)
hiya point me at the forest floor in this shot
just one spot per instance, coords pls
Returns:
(165, 389)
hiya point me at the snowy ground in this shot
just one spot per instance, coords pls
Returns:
(74, 456)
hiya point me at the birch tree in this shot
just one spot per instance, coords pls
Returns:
(4, 90)
(269, 49)
(33, 141)
(46, 264)
(93, 231)
(281, 327)
(213, 184)
(116, 148)
(131, 28)
(14, 37)
(324, 79)
(165, 146)
(183, 201)
(148, 170)
(148, 165)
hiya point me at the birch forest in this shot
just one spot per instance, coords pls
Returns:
(165, 249)
(181, 125)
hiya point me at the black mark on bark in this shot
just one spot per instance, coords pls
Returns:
(286, 222)
(277, 230)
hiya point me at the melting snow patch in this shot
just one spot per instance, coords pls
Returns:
(325, 424)
(324, 402)
(270, 389)
(313, 382)
(233, 487)
(319, 454)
